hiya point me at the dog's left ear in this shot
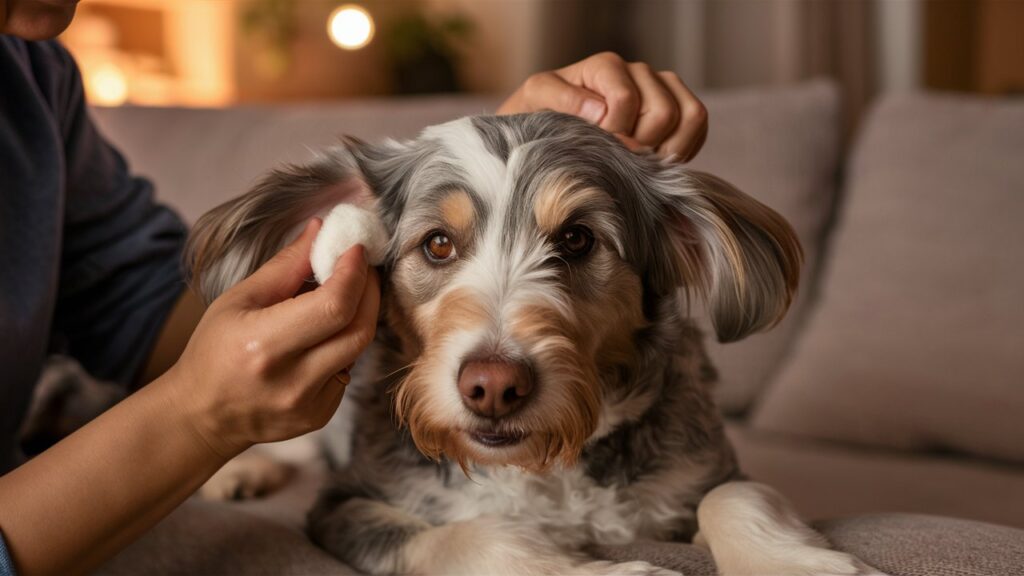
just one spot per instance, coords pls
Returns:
(231, 241)
(739, 254)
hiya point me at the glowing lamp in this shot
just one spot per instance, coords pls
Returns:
(108, 85)
(350, 27)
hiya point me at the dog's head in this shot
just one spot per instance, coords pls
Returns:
(526, 254)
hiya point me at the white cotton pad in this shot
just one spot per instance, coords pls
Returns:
(345, 226)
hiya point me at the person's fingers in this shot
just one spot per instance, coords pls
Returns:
(281, 276)
(607, 75)
(698, 145)
(659, 111)
(632, 144)
(341, 350)
(312, 317)
(547, 90)
(691, 132)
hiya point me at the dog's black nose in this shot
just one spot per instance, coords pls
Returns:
(494, 388)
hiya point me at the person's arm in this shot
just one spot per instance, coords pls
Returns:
(258, 369)
(79, 502)
(644, 108)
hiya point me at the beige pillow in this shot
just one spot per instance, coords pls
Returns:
(918, 339)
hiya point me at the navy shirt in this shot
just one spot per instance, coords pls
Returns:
(6, 564)
(89, 263)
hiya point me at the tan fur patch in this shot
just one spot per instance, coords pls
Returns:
(611, 323)
(560, 199)
(415, 404)
(574, 390)
(458, 210)
(455, 310)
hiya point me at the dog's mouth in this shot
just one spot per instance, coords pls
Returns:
(493, 439)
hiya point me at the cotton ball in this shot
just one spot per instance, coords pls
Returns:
(345, 226)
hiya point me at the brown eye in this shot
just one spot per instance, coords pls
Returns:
(575, 241)
(438, 247)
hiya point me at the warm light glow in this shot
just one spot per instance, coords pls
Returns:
(108, 85)
(350, 27)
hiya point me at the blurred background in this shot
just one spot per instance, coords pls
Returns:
(213, 53)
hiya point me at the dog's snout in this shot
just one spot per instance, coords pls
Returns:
(495, 388)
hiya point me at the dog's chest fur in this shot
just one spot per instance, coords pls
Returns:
(658, 448)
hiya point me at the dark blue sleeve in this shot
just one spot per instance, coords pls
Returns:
(6, 564)
(120, 271)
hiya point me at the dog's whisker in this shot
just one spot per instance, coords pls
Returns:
(394, 372)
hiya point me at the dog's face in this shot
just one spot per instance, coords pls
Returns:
(527, 254)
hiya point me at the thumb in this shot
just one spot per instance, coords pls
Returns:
(282, 276)
(549, 90)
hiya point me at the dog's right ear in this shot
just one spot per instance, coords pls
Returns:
(740, 255)
(231, 241)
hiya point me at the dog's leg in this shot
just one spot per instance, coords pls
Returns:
(251, 474)
(751, 529)
(264, 468)
(369, 535)
(375, 537)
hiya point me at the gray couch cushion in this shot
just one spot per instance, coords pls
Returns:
(919, 545)
(780, 145)
(918, 340)
(827, 479)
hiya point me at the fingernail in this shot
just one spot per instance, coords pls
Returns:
(630, 142)
(313, 222)
(360, 253)
(592, 110)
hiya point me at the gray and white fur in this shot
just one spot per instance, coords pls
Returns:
(536, 386)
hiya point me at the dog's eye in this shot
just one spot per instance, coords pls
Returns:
(575, 241)
(438, 247)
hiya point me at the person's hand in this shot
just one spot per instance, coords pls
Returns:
(261, 364)
(644, 108)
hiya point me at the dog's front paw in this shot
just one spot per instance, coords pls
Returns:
(799, 561)
(248, 475)
(637, 568)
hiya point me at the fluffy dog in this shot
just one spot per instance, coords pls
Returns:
(536, 387)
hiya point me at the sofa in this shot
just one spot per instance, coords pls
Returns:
(888, 405)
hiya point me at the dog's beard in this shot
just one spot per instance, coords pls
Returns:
(554, 430)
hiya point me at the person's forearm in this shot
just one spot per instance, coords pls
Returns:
(78, 503)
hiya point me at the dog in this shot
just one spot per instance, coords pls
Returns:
(536, 386)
